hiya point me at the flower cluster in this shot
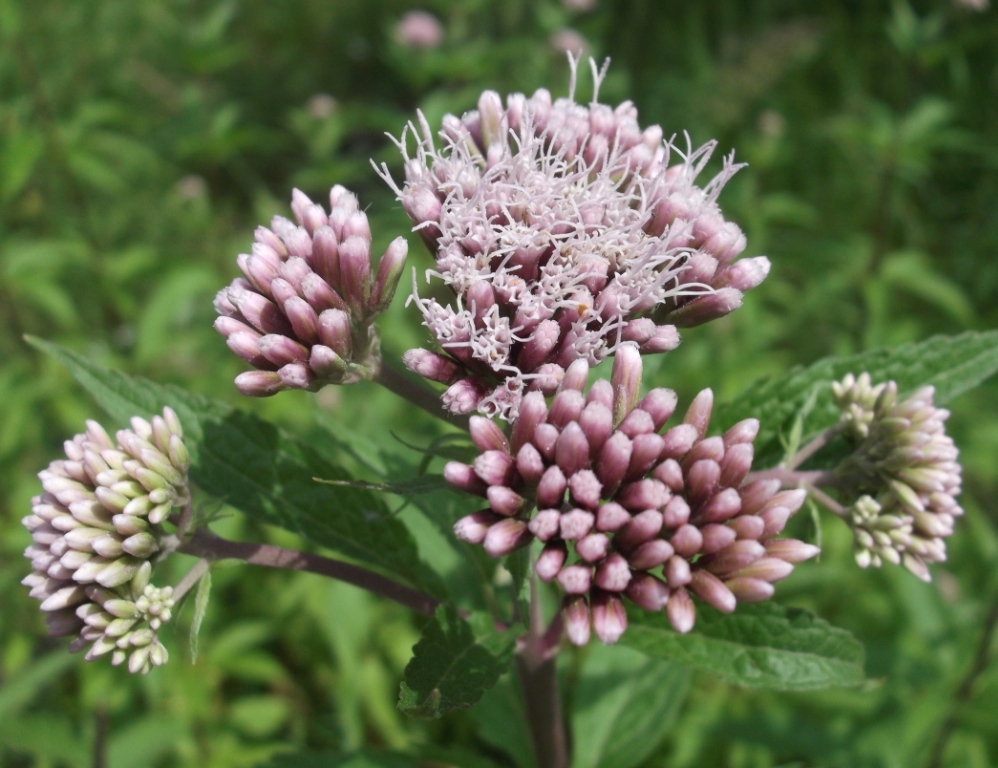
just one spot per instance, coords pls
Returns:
(302, 314)
(902, 480)
(95, 528)
(625, 510)
(564, 231)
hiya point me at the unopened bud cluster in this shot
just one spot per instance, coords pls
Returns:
(302, 314)
(901, 482)
(564, 231)
(95, 529)
(625, 510)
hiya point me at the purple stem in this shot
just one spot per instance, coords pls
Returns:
(814, 446)
(812, 481)
(418, 395)
(205, 544)
(538, 675)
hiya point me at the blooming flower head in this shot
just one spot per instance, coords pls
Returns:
(625, 510)
(302, 314)
(564, 231)
(901, 482)
(95, 528)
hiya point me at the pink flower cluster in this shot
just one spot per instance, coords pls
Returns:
(563, 231)
(302, 314)
(624, 509)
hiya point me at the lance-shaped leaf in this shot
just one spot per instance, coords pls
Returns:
(761, 646)
(251, 465)
(454, 663)
(952, 364)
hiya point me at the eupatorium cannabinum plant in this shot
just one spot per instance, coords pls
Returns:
(565, 235)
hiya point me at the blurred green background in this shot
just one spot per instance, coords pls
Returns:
(141, 143)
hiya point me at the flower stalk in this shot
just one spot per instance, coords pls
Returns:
(210, 547)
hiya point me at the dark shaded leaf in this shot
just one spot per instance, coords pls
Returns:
(454, 663)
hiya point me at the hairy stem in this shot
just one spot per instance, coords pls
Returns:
(205, 544)
(789, 478)
(191, 578)
(811, 481)
(538, 675)
(394, 381)
(814, 446)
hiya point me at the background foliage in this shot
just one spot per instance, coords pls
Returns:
(140, 143)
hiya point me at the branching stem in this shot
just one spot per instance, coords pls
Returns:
(394, 381)
(205, 544)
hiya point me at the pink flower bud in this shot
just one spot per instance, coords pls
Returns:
(681, 611)
(572, 449)
(504, 500)
(575, 615)
(613, 574)
(464, 396)
(546, 524)
(716, 537)
(614, 459)
(389, 271)
(734, 557)
(486, 435)
(736, 464)
(711, 590)
(626, 380)
(643, 494)
(687, 540)
(506, 536)
(431, 365)
(648, 592)
(642, 527)
(566, 407)
(748, 590)
(551, 488)
(575, 579)
(609, 617)
(593, 547)
(771, 569)
(259, 383)
(792, 550)
(645, 452)
(575, 524)
(585, 488)
(550, 561)
(650, 555)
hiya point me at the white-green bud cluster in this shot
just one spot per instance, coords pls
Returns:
(95, 529)
(901, 482)
(124, 622)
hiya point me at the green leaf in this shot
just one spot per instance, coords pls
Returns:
(454, 663)
(200, 609)
(23, 688)
(625, 703)
(251, 465)
(18, 158)
(760, 646)
(952, 364)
